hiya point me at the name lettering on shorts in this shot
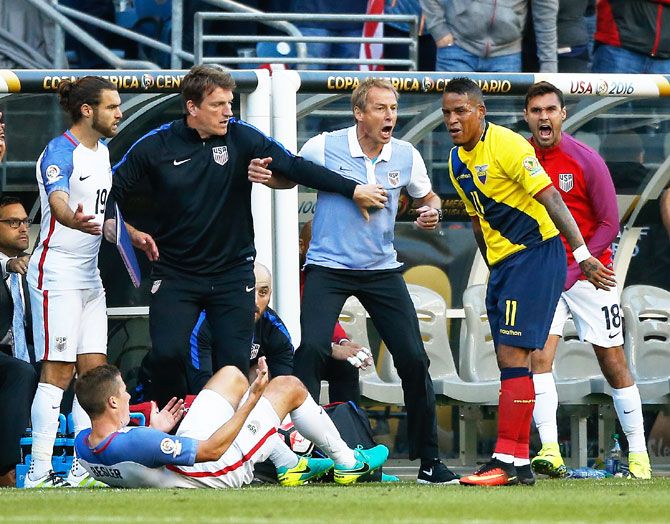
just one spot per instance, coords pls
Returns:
(102, 471)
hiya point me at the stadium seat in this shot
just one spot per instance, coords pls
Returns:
(646, 311)
(431, 312)
(477, 357)
(431, 277)
(576, 369)
(130, 14)
(353, 319)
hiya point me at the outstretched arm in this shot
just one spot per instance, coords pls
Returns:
(365, 196)
(258, 173)
(600, 276)
(216, 445)
(59, 203)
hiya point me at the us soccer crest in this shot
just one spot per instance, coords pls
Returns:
(61, 343)
(482, 171)
(220, 154)
(394, 178)
(566, 181)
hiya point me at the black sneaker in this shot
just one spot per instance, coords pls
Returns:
(524, 475)
(436, 473)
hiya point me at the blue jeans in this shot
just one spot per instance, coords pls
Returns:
(610, 59)
(454, 58)
(331, 50)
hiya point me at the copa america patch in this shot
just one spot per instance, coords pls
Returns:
(170, 447)
(60, 343)
(53, 174)
(394, 178)
(532, 165)
(566, 181)
(220, 154)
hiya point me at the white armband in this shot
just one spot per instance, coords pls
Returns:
(581, 253)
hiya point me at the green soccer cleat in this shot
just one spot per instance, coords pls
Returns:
(639, 466)
(78, 477)
(48, 480)
(307, 469)
(367, 461)
(549, 461)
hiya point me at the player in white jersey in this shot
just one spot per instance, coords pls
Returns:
(67, 298)
(230, 427)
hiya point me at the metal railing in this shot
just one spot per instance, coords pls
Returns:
(65, 19)
(200, 37)
(64, 24)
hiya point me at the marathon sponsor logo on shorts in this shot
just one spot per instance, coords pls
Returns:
(60, 343)
(532, 165)
(171, 447)
(253, 426)
(255, 348)
(482, 171)
(155, 286)
(394, 178)
(53, 174)
(566, 181)
(220, 154)
(511, 332)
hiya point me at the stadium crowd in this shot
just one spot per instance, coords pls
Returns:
(53, 319)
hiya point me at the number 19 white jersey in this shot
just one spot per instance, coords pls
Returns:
(67, 258)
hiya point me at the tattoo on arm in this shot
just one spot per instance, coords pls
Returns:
(559, 213)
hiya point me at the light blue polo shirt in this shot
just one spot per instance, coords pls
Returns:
(341, 238)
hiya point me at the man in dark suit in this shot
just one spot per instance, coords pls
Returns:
(18, 377)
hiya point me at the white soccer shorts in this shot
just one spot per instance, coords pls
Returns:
(253, 444)
(68, 322)
(596, 313)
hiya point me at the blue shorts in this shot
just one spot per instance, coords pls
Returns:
(523, 292)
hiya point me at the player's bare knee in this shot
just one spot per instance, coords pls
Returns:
(57, 373)
(287, 386)
(88, 361)
(541, 362)
(229, 381)
(512, 357)
(614, 366)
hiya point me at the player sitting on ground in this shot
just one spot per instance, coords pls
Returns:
(229, 427)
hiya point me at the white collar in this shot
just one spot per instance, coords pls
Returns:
(356, 151)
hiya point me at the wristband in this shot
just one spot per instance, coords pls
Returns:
(581, 253)
(440, 215)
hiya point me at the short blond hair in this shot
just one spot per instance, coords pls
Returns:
(359, 97)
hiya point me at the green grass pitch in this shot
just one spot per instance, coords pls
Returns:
(556, 501)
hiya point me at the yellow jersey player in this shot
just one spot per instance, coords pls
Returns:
(516, 216)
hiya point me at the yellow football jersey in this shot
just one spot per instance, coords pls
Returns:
(497, 180)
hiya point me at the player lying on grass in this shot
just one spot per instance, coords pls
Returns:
(229, 427)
